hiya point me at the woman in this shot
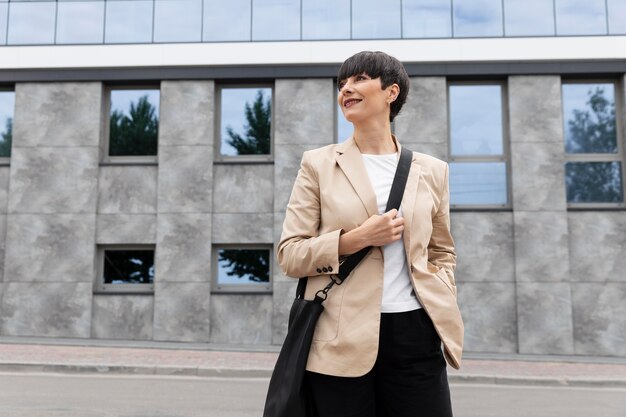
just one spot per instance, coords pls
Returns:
(377, 345)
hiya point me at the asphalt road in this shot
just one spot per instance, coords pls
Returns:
(87, 395)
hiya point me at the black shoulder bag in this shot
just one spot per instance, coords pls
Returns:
(286, 395)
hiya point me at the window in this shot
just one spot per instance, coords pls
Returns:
(374, 19)
(231, 23)
(529, 18)
(580, 17)
(274, 20)
(244, 122)
(177, 21)
(80, 22)
(242, 268)
(593, 171)
(478, 158)
(133, 122)
(7, 106)
(325, 19)
(32, 23)
(475, 18)
(426, 18)
(126, 268)
(128, 21)
(4, 9)
(617, 17)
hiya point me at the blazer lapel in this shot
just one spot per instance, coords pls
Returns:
(351, 163)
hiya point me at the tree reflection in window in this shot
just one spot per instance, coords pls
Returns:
(7, 106)
(591, 129)
(248, 132)
(243, 266)
(134, 123)
(128, 266)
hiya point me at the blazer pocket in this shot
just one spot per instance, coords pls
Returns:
(443, 276)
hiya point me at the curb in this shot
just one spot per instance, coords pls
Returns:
(266, 373)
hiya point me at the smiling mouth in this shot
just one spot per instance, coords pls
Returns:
(350, 102)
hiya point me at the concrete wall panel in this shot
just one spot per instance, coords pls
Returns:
(126, 317)
(283, 296)
(597, 242)
(126, 228)
(127, 189)
(598, 312)
(484, 245)
(181, 311)
(241, 319)
(50, 248)
(489, 315)
(544, 316)
(53, 180)
(57, 114)
(183, 248)
(243, 188)
(243, 228)
(47, 309)
(185, 175)
(186, 113)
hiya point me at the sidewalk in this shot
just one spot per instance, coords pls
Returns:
(162, 358)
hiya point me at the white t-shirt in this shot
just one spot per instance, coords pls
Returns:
(398, 294)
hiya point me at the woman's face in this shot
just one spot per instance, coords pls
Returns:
(362, 98)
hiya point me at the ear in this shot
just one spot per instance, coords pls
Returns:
(392, 93)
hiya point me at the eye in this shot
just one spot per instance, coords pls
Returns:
(361, 77)
(340, 85)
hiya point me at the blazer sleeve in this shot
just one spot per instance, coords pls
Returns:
(441, 252)
(302, 251)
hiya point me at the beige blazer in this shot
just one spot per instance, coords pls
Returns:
(332, 192)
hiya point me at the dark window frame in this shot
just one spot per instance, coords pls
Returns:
(6, 160)
(620, 132)
(105, 128)
(261, 288)
(99, 285)
(506, 145)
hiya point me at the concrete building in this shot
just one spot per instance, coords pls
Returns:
(524, 99)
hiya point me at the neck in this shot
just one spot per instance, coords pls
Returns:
(374, 139)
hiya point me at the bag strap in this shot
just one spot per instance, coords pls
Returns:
(395, 198)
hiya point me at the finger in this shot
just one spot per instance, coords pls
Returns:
(391, 213)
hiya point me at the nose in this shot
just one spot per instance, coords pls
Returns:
(347, 87)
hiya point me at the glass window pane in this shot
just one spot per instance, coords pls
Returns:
(374, 19)
(80, 22)
(594, 182)
(134, 122)
(528, 17)
(245, 121)
(7, 107)
(128, 266)
(177, 20)
(589, 118)
(325, 19)
(426, 19)
(478, 183)
(580, 17)
(243, 266)
(617, 17)
(4, 8)
(128, 21)
(276, 20)
(31, 23)
(475, 18)
(230, 23)
(475, 120)
(344, 127)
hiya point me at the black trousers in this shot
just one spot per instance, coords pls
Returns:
(409, 377)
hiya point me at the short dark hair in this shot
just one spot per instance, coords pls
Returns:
(378, 64)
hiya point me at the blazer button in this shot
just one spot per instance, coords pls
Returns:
(319, 271)
(325, 269)
(330, 268)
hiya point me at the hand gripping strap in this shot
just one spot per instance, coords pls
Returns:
(395, 198)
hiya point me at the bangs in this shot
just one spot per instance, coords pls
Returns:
(369, 63)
